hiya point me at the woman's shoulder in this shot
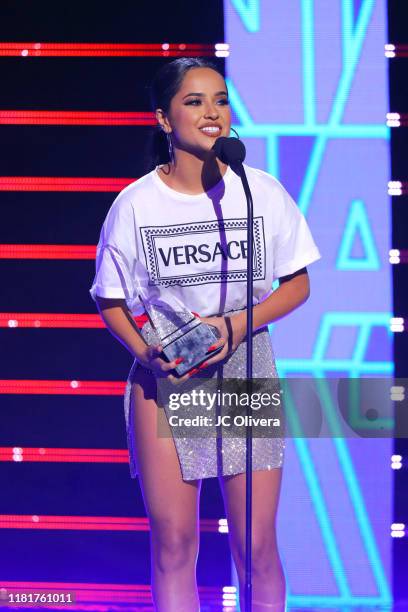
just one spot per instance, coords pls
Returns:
(134, 194)
(266, 182)
(137, 187)
(122, 211)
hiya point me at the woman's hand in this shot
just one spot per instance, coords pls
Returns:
(151, 358)
(232, 330)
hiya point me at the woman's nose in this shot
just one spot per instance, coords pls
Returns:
(211, 111)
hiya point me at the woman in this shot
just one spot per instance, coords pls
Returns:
(179, 233)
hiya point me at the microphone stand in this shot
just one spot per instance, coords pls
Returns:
(238, 167)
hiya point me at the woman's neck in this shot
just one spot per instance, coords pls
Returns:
(192, 175)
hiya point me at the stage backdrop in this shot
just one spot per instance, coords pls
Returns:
(308, 85)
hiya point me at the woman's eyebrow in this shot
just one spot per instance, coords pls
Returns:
(218, 93)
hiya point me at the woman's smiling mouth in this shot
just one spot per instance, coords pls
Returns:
(211, 130)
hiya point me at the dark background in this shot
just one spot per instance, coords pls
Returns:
(58, 286)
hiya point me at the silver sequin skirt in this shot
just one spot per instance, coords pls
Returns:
(207, 456)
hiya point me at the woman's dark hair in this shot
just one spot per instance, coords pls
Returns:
(166, 83)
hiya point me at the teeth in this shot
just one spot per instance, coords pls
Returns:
(210, 129)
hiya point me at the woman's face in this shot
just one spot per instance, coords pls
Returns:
(199, 113)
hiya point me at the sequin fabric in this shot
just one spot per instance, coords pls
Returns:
(210, 455)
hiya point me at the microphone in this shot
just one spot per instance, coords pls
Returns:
(230, 151)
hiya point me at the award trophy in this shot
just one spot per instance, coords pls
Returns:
(180, 333)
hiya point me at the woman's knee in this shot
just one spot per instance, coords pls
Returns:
(265, 555)
(173, 547)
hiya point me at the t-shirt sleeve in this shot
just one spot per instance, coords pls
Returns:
(294, 247)
(116, 257)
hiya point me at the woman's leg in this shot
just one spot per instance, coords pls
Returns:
(268, 581)
(172, 505)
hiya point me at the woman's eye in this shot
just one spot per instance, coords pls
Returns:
(197, 101)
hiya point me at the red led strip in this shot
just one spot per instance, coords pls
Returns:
(64, 183)
(47, 251)
(29, 117)
(63, 455)
(86, 523)
(91, 596)
(401, 50)
(37, 49)
(61, 387)
(80, 586)
(83, 523)
(402, 255)
(14, 320)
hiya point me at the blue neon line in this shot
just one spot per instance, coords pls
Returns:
(353, 366)
(363, 519)
(366, 321)
(272, 156)
(357, 220)
(347, 23)
(237, 104)
(360, 348)
(317, 496)
(249, 13)
(310, 601)
(323, 337)
(347, 467)
(339, 102)
(358, 318)
(252, 130)
(322, 516)
(347, 75)
(309, 85)
(286, 366)
(321, 512)
(333, 319)
(312, 172)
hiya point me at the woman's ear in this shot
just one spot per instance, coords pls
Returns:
(162, 120)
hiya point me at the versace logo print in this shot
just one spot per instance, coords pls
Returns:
(202, 252)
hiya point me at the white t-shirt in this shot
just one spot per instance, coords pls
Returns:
(165, 245)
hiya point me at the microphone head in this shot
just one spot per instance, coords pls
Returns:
(230, 151)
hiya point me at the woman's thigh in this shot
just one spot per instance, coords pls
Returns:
(266, 485)
(172, 504)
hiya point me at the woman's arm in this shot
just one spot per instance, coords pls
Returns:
(122, 326)
(289, 295)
